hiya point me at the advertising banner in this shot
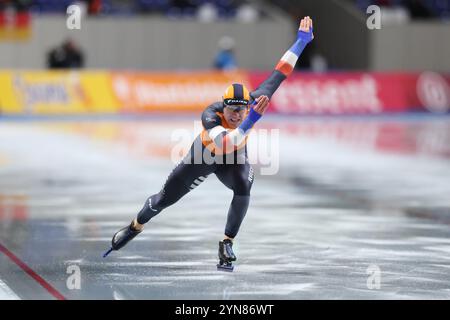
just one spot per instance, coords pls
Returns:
(84, 92)
(56, 92)
(172, 92)
(360, 93)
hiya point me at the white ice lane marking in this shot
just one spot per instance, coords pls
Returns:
(6, 293)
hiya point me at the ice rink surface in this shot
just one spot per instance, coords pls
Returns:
(354, 208)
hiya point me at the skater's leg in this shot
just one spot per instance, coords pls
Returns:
(181, 180)
(187, 175)
(236, 214)
(239, 178)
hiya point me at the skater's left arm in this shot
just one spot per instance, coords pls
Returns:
(287, 63)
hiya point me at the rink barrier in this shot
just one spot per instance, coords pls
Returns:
(105, 92)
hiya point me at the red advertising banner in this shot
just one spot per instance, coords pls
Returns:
(360, 93)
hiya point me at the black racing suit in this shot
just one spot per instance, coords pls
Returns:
(232, 169)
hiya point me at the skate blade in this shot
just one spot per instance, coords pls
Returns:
(221, 267)
(107, 252)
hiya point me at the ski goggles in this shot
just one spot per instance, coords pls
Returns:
(235, 102)
(237, 108)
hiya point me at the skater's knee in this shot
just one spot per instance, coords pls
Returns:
(242, 188)
(241, 192)
(243, 184)
(168, 196)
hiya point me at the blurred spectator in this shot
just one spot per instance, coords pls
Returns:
(182, 3)
(206, 10)
(319, 63)
(22, 5)
(83, 5)
(94, 6)
(66, 56)
(207, 13)
(247, 14)
(17, 5)
(418, 9)
(225, 59)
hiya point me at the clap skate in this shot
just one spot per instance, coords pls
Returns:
(226, 256)
(122, 237)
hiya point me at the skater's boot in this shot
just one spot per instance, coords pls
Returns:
(122, 237)
(226, 255)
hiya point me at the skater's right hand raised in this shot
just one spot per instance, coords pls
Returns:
(305, 31)
(262, 104)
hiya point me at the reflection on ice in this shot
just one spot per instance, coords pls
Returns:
(350, 193)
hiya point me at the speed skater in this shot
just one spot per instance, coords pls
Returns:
(221, 148)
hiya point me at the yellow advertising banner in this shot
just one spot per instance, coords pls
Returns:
(56, 92)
